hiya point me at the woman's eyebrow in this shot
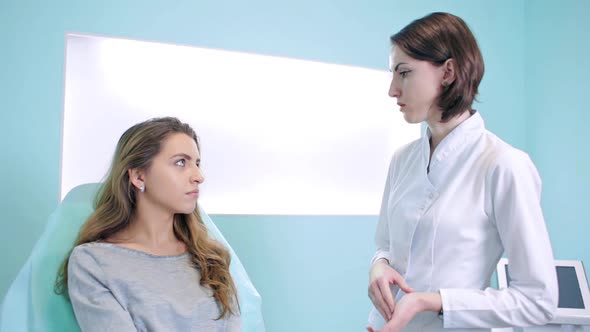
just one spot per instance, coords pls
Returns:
(184, 155)
(399, 64)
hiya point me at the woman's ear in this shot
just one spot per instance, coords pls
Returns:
(136, 177)
(449, 72)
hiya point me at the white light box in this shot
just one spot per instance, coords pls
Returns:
(279, 136)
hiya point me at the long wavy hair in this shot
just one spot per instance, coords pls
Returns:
(115, 206)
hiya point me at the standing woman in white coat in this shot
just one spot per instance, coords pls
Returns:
(455, 200)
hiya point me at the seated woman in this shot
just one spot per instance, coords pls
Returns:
(143, 261)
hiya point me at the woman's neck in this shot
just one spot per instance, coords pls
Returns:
(440, 130)
(151, 229)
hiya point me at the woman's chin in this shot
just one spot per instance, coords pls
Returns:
(411, 119)
(186, 209)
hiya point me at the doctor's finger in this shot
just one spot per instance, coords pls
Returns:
(401, 282)
(378, 302)
(387, 295)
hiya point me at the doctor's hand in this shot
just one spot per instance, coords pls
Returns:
(408, 307)
(381, 277)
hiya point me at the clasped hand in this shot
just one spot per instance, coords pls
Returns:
(397, 315)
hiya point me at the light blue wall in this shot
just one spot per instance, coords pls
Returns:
(558, 116)
(302, 266)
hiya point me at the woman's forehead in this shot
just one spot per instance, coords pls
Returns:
(397, 55)
(180, 143)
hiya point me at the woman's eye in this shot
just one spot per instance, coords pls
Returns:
(181, 162)
(404, 73)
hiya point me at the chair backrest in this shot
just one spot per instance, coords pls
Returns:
(31, 303)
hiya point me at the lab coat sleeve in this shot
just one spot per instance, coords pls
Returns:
(515, 193)
(382, 234)
(95, 307)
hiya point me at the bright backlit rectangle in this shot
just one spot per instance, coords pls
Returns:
(279, 136)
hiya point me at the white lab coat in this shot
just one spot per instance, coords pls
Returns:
(445, 230)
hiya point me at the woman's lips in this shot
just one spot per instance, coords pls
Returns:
(194, 193)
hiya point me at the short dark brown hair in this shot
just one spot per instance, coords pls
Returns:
(436, 38)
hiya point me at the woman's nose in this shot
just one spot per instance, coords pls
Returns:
(394, 91)
(198, 176)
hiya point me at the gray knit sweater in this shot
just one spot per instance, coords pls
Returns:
(113, 288)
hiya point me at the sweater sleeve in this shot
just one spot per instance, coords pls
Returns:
(95, 307)
(234, 324)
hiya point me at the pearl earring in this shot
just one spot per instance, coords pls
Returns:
(142, 188)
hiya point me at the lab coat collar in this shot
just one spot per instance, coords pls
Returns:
(456, 139)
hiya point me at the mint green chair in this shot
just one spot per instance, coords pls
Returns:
(31, 304)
